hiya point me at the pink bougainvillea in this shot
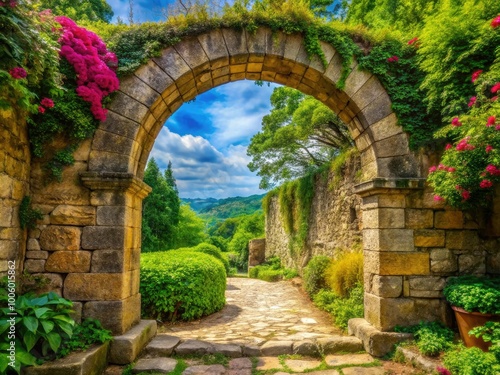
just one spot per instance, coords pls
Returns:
(485, 184)
(47, 103)
(476, 75)
(496, 22)
(495, 87)
(94, 65)
(456, 122)
(488, 149)
(41, 109)
(393, 59)
(491, 121)
(18, 73)
(464, 145)
(413, 41)
(472, 101)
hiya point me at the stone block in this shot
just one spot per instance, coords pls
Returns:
(429, 238)
(383, 200)
(37, 254)
(33, 244)
(375, 342)
(275, 348)
(462, 240)
(443, 261)
(388, 239)
(426, 287)
(89, 286)
(387, 286)
(493, 263)
(419, 218)
(5, 216)
(68, 262)
(125, 348)
(448, 220)
(392, 263)
(51, 282)
(369, 92)
(301, 365)
(113, 215)
(112, 142)
(385, 313)
(55, 238)
(385, 128)
(138, 89)
(34, 265)
(351, 359)
(209, 370)
(340, 344)
(154, 365)
(396, 145)
(193, 347)
(128, 107)
(162, 346)
(306, 348)
(92, 361)
(111, 261)
(229, 350)
(103, 237)
(472, 263)
(356, 79)
(384, 218)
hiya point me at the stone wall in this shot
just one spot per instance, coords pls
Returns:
(334, 222)
(14, 185)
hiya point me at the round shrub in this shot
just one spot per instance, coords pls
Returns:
(345, 272)
(473, 293)
(213, 251)
(314, 274)
(182, 285)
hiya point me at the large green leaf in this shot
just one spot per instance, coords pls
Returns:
(40, 301)
(67, 328)
(47, 325)
(54, 341)
(4, 325)
(29, 340)
(31, 323)
(25, 358)
(42, 310)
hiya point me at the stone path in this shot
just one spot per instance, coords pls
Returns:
(265, 328)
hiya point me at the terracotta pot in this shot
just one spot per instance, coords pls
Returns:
(467, 321)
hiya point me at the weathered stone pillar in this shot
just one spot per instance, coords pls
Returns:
(256, 252)
(110, 291)
(400, 288)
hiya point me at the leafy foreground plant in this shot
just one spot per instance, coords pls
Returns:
(470, 361)
(490, 332)
(473, 293)
(431, 338)
(89, 332)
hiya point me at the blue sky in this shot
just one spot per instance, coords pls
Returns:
(207, 139)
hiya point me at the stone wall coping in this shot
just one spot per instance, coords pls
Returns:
(115, 181)
(389, 185)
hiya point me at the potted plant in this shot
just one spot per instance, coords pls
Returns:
(475, 301)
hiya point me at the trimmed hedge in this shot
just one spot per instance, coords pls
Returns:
(314, 274)
(183, 285)
(210, 250)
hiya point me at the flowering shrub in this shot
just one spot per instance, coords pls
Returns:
(92, 62)
(470, 166)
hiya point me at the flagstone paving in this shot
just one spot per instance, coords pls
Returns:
(262, 320)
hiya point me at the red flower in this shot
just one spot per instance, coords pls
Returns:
(18, 73)
(438, 198)
(442, 167)
(491, 121)
(393, 59)
(449, 146)
(443, 371)
(432, 169)
(476, 75)
(41, 109)
(489, 149)
(456, 122)
(47, 103)
(495, 87)
(451, 169)
(413, 41)
(472, 101)
(496, 22)
(497, 127)
(494, 99)
(485, 184)
(465, 195)
(463, 145)
(493, 170)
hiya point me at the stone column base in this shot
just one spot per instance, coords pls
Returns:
(375, 342)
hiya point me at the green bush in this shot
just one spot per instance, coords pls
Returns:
(271, 270)
(268, 274)
(213, 251)
(345, 272)
(181, 285)
(314, 274)
(490, 332)
(473, 293)
(89, 332)
(470, 361)
(342, 309)
(431, 338)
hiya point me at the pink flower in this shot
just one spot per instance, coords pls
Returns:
(476, 75)
(485, 184)
(463, 145)
(493, 170)
(451, 169)
(432, 169)
(47, 103)
(443, 371)
(393, 59)
(472, 101)
(11, 3)
(496, 22)
(449, 146)
(491, 121)
(413, 41)
(495, 87)
(494, 99)
(18, 73)
(438, 198)
(41, 109)
(489, 149)
(442, 167)
(456, 122)
(465, 195)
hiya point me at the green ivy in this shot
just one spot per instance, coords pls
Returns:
(27, 215)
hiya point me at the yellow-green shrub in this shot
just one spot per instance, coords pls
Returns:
(345, 272)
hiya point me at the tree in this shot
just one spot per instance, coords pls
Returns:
(90, 10)
(298, 136)
(159, 217)
(191, 229)
(249, 227)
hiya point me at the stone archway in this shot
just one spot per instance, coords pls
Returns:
(402, 224)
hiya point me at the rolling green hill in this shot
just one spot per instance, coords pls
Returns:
(227, 207)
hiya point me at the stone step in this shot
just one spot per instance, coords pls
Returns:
(125, 348)
(157, 365)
